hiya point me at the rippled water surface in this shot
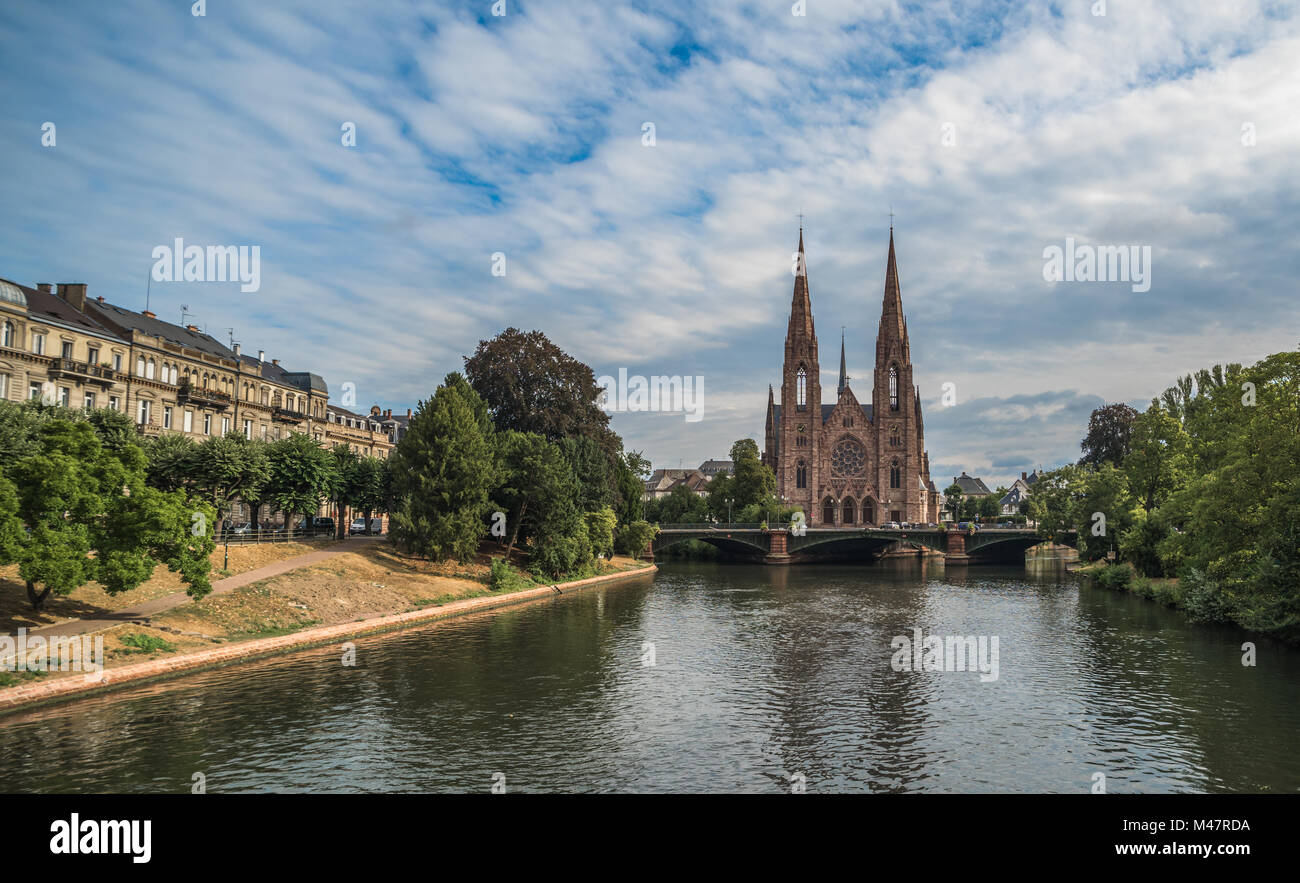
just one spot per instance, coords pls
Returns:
(760, 675)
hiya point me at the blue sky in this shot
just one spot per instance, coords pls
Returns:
(522, 134)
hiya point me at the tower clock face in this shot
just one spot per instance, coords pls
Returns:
(801, 427)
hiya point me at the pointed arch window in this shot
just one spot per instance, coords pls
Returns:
(893, 387)
(895, 475)
(801, 475)
(895, 440)
(801, 388)
(828, 511)
(850, 512)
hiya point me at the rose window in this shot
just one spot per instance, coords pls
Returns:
(848, 458)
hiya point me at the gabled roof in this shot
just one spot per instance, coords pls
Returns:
(970, 485)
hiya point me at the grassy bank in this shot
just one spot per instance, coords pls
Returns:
(372, 582)
(91, 600)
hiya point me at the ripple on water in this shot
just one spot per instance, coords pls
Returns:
(759, 675)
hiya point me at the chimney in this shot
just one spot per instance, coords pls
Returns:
(74, 293)
(275, 362)
(100, 299)
(148, 314)
(191, 328)
(261, 356)
(1023, 475)
(408, 413)
(236, 352)
(43, 286)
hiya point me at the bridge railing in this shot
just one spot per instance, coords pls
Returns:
(713, 526)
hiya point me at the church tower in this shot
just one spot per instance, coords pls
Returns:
(801, 398)
(896, 408)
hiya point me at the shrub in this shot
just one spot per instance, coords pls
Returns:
(1203, 599)
(1116, 576)
(140, 642)
(505, 578)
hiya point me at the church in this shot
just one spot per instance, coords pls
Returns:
(847, 463)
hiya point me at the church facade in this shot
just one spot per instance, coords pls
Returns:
(843, 462)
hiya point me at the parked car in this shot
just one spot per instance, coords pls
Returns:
(359, 526)
(322, 523)
(891, 525)
(237, 527)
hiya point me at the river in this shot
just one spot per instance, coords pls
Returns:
(713, 678)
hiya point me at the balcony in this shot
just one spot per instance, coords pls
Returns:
(203, 398)
(82, 371)
(284, 415)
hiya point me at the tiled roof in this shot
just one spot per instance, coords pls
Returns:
(970, 485)
(155, 327)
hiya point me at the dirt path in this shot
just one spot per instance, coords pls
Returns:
(142, 612)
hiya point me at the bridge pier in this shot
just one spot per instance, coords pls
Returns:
(956, 552)
(778, 547)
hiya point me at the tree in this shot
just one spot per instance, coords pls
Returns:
(952, 497)
(988, 506)
(87, 513)
(534, 477)
(1155, 461)
(753, 484)
(594, 469)
(531, 385)
(369, 487)
(1107, 440)
(343, 490)
(631, 490)
(600, 530)
(301, 474)
(173, 461)
(443, 469)
(230, 468)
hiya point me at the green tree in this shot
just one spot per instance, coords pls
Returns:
(443, 470)
(600, 530)
(753, 482)
(229, 468)
(173, 461)
(88, 515)
(1155, 461)
(534, 478)
(952, 499)
(301, 474)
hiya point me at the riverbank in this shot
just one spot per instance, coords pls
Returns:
(1198, 602)
(308, 607)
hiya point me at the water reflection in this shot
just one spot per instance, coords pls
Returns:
(761, 675)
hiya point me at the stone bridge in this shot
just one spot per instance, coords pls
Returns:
(783, 546)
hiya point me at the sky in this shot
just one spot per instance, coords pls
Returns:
(503, 175)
